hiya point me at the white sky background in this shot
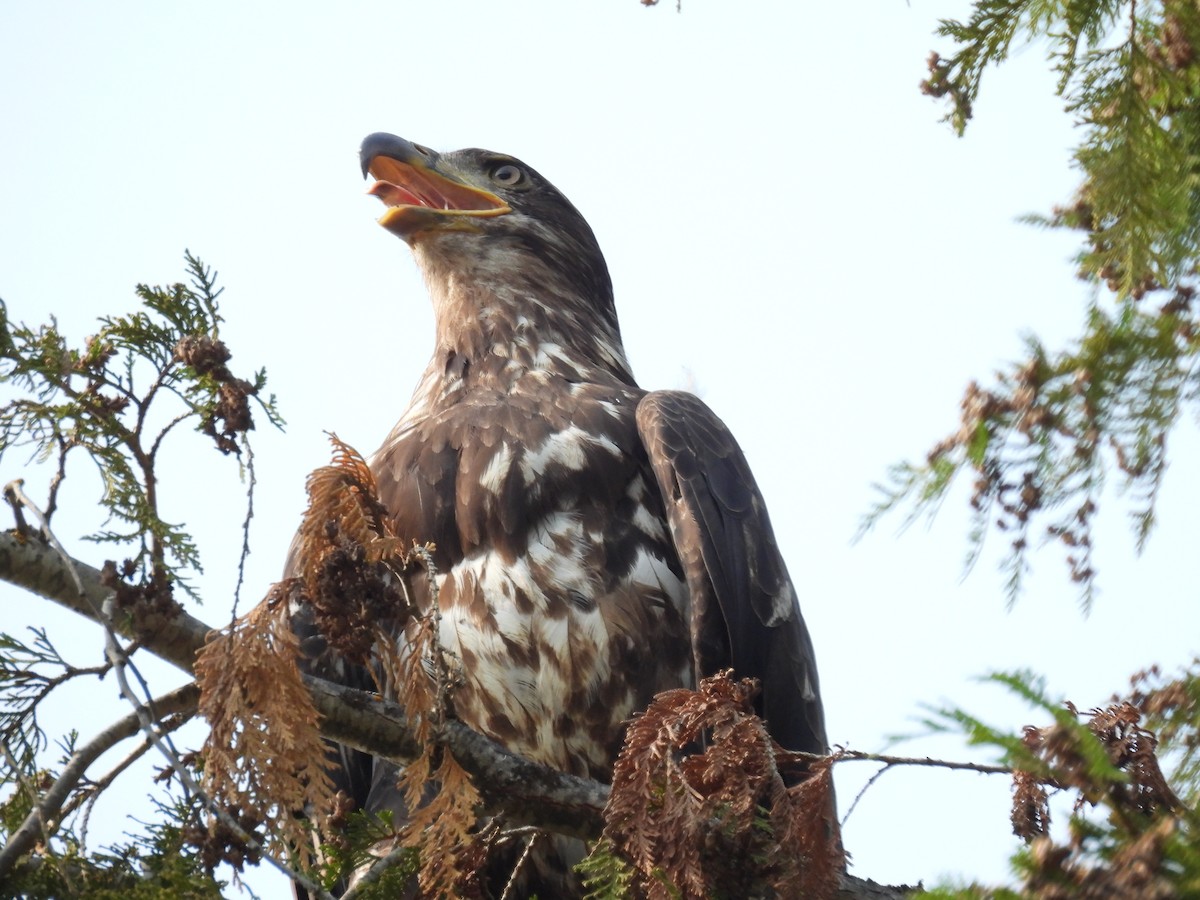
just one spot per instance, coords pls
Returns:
(786, 221)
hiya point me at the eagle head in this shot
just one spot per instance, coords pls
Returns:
(487, 225)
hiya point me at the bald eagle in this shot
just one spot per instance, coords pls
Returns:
(595, 543)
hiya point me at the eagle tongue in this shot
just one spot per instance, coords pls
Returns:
(395, 195)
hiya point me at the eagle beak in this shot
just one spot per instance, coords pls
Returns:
(419, 197)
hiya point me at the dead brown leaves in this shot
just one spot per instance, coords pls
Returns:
(1131, 749)
(721, 820)
(229, 414)
(441, 823)
(1141, 809)
(352, 574)
(264, 756)
(1143, 792)
(1024, 406)
(1031, 804)
(442, 828)
(1171, 705)
(349, 560)
(265, 753)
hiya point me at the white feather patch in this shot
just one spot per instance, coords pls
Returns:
(492, 477)
(564, 448)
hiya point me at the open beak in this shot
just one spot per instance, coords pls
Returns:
(419, 195)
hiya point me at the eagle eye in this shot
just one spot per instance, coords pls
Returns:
(508, 175)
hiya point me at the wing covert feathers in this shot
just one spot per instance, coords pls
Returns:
(744, 611)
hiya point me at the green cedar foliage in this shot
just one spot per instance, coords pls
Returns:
(106, 400)
(113, 401)
(356, 848)
(1043, 440)
(1129, 74)
(154, 864)
(1129, 833)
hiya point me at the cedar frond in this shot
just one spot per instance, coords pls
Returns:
(349, 560)
(264, 755)
(1169, 706)
(722, 820)
(1031, 805)
(345, 493)
(1039, 445)
(806, 833)
(442, 822)
(352, 571)
(442, 827)
(1143, 845)
(1041, 442)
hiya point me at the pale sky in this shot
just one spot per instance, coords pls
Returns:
(789, 228)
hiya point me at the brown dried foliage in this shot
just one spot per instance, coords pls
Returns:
(441, 824)
(1030, 809)
(1141, 806)
(442, 827)
(1041, 440)
(721, 820)
(351, 572)
(217, 842)
(264, 755)
(1136, 869)
(230, 415)
(349, 560)
(1142, 809)
(1172, 704)
(155, 595)
(1130, 749)
(1021, 404)
(1174, 43)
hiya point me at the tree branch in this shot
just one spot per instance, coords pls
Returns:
(861, 756)
(524, 792)
(29, 563)
(42, 816)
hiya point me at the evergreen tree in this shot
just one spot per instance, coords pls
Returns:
(1039, 446)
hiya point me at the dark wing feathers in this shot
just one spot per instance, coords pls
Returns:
(744, 612)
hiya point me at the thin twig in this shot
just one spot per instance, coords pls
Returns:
(182, 417)
(121, 663)
(843, 755)
(44, 818)
(511, 886)
(88, 797)
(56, 480)
(15, 494)
(25, 678)
(862, 791)
(10, 495)
(378, 868)
(891, 762)
(241, 576)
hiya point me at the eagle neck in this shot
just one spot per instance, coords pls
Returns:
(500, 332)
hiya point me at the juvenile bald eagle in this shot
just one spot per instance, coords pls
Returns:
(597, 543)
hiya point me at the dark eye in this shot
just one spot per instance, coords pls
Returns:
(508, 175)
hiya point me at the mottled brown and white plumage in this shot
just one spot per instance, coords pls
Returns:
(596, 543)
